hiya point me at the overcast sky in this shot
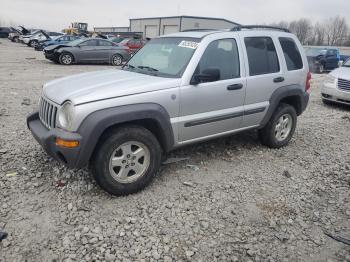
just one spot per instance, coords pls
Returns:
(57, 14)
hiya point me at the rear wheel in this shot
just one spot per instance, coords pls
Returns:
(126, 161)
(117, 60)
(280, 129)
(66, 59)
(33, 43)
(321, 69)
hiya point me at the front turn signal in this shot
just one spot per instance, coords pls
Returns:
(66, 143)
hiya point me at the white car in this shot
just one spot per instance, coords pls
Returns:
(336, 87)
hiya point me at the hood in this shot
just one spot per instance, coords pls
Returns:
(52, 47)
(93, 86)
(341, 72)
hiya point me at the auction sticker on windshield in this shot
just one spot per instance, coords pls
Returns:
(189, 44)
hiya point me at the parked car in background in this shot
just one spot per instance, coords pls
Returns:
(87, 50)
(322, 59)
(5, 31)
(14, 34)
(179, 89)
(336, 87)
(64, 39)
(133, 44)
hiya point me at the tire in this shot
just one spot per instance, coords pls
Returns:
(117, 60)
(270, 136)
(119, 178)
(66, 59)
(320, 69)
(327, 102)
(33, 43)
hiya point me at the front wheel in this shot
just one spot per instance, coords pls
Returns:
(66, 59)
(117, 60)
(126, 161)
(33, 43)
(280, 129)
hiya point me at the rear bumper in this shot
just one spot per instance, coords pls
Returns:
(47, 139)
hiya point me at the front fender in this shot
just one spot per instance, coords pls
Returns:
(96, 123)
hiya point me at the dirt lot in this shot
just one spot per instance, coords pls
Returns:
(233, 200)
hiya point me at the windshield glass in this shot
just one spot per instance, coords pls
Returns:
(347, 63)
(76, 42)
(167, 57)
(315, 51)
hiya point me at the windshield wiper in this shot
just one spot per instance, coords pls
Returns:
(128, 66)
(149, 68)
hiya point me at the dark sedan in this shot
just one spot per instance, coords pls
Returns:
(88, 50)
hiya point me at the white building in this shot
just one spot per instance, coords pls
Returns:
(155, 26)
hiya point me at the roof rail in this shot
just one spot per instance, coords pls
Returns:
(240, 27)
(200, 30)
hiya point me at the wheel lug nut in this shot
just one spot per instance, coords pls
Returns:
(134, 157)
(128, 156)
(123, 161)
(126, 166)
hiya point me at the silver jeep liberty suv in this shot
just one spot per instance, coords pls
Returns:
(178, 89)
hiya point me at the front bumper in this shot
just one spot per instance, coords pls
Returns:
(333, 94)
(47, 139)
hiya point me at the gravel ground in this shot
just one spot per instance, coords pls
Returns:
(232, 200)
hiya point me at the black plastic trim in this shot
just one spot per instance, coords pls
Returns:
(254, 111)
(96, 123)
(213, 119)
(282, 93)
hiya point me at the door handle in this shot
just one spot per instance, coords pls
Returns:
(278, 79)
(234, 87)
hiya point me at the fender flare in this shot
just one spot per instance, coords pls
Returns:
(95, 124)
(284, 92)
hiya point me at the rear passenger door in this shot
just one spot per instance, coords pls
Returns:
(264, 76)
(104, 50)
(87, 51)
(292, 62)
(211, 108)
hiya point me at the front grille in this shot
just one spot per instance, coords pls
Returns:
(344, 84)
(47, 113)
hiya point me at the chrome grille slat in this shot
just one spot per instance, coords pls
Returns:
(344, 84)
(47, 113)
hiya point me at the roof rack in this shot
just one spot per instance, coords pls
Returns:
(199, 30)
(240, 27)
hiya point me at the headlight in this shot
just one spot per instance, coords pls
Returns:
(330, 79)
(66, 115)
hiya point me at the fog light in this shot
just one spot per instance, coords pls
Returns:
(66, 143)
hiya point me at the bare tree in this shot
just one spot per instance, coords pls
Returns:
(336, 30)
(319, 34)
(302, 28)
(282, 24)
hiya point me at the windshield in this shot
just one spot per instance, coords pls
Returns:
(347, 63)
(315, 51)
(167, 57)
(76, 42)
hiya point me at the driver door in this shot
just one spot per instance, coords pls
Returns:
(211, 108)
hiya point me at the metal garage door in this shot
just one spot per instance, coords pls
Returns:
(151, 31)
(169, 29)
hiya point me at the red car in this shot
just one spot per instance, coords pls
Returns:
(133, 44)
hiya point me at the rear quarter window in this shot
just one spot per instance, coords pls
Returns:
(262, 56)
(291, 54)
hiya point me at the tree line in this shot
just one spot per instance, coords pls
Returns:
(333, 31)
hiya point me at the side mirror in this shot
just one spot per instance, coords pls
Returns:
(208, 75)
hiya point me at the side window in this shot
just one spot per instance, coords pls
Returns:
(89, 43)
(262, 55)
(222, 55)
(105, 43)
(291, 54)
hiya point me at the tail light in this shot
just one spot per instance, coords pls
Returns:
(308, 82)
